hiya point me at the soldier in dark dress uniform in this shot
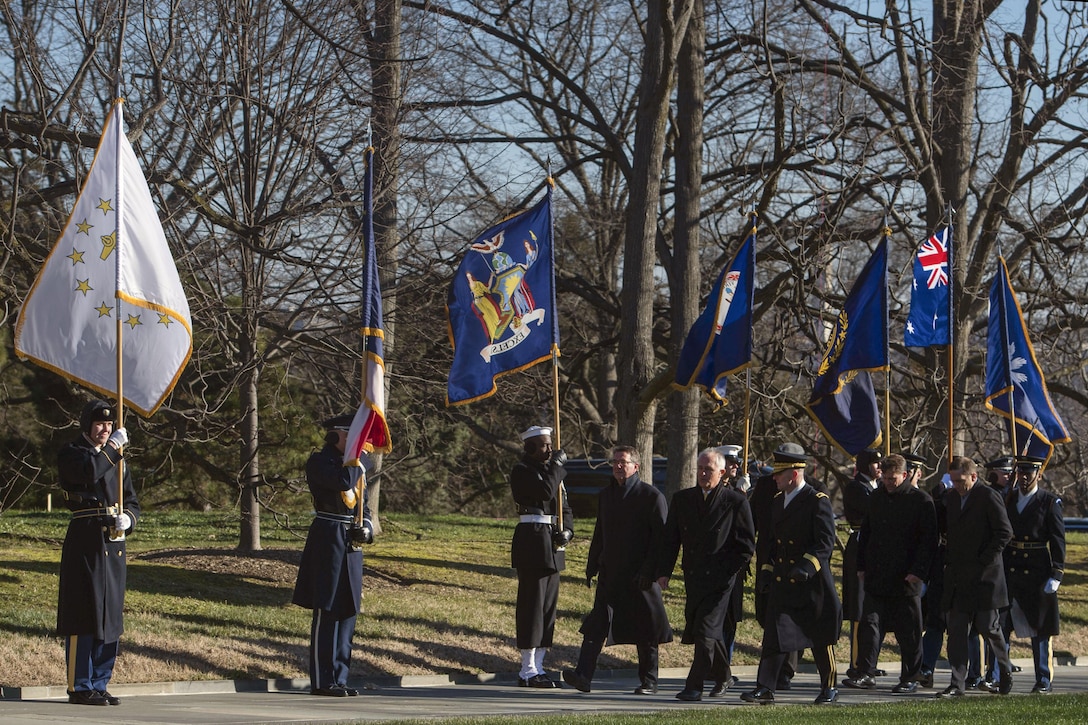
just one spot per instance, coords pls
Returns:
(627, 608)
(803, 609)
(330, 575)
(713, 525)
(538, 550)
(974, 578)
(855, 504)
(895, 552)
(1034, 565)
(93, 559)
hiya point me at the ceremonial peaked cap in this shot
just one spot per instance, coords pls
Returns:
(339, 422)
(1004, 463)
(787, 456)
(1030, 463)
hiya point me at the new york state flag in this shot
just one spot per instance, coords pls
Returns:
(110, 281)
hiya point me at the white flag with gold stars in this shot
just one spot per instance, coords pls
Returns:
(111, 262)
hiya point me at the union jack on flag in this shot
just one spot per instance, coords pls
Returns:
(933, 256)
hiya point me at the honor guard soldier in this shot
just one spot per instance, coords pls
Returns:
(855, 504)
(803, 608)
(538, 550)
(999, 474)
(93, 559)
(330, 575)
(1034, 565)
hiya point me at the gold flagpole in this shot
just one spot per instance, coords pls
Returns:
(951, 334)
(887, 353)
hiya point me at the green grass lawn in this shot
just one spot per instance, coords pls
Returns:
(438, 598)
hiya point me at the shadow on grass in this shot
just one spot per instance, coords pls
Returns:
(504, 572)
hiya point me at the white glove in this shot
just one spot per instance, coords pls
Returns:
(123, 522)
(119, 438)
(1051, 586)
(743, 483)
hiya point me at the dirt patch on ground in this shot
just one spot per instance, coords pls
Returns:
(275, 566)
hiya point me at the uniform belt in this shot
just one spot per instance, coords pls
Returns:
(536, 519)
(1028, 544)
(90, 513)
(338, 518)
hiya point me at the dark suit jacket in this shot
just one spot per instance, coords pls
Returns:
(718, 538)
(978, 530)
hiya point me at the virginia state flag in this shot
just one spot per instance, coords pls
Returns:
(1015, 387)
(927, 322)
(501, 304)
(720, 341)
(843, 401)
(110, 261)
(369, 431)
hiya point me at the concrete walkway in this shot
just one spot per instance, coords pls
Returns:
(289, 701)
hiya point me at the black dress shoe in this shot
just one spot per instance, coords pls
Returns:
(827, 696)
(905, 688)
(950, 692)
(784, 683)
(972, 683)
(925, 679)
(690, 695)
(110, 698)
(1017, 668)
(720, 687)
(542, 682)
(575, 680)
(879, 673)
(332, 691)
(760, 695)
(646, 689)
(350, 691)
(87, 697)
(865, 682)
(1005, 686)
(1040, 689)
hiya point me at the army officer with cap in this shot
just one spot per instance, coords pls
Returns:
(803, 608)
(93, 560)
(537, 551)
(330, 575)
(1034, 565)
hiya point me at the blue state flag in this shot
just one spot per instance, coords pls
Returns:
(720, 341)
(843, 401)
(501, 304)
(1015, 386)
(927, 322)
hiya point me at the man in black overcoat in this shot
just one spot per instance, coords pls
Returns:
(803, 609)
(855, 504)
(895, 551)
(93, 558)
(713, 525)
(627, 608)
(330, 575)
(538, 551)
(1034, 565)
(974, 577)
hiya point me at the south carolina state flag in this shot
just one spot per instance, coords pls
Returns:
(111, 261)
(501, 304)
(720, 341)
(1015, 387)
(843, 401)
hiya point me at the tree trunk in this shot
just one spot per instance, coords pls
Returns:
(683, 406)
(249, 538)
(666, 23)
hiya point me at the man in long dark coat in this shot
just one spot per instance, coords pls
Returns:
(895, 552)
(855, 504)
(974, 578)
(713, 525)
(93, 563)
(537, 551)
(1034, 565)
(330, 575)
(627, 608)
(803, 609)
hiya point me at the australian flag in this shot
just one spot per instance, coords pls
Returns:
(927, 323)
(720, 341)
(1015, 387)
(501, 304)
(843, 401)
